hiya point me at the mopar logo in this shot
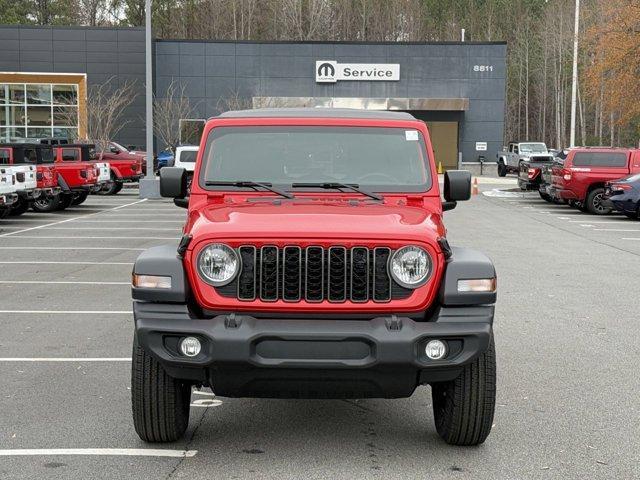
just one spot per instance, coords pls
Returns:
(330, 71)
(326, 71)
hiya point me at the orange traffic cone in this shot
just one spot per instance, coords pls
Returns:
(474, 190)
(440, 171)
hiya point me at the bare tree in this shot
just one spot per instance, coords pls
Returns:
(167, 112)
(233, 101)
(105, 112)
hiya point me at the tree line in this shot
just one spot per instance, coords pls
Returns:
(539, 34)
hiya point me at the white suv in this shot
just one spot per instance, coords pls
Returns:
(185, 157)
(8, 189)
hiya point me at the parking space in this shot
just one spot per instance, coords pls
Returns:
(566, 334)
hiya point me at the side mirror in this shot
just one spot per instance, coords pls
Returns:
(181, 202)
(114, 150)
(457, 188)
(173, 182)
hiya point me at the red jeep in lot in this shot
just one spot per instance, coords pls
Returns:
(125, 167)
(314, 264)
(77, 177)
(34, 154)
(582, 178)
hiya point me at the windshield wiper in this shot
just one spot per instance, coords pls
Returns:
(249, 184)
(337, 185)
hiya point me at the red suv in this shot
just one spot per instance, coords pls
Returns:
(314, 264)
(582, 178)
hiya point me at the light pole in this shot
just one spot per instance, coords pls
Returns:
(149, 186)
(574, 77)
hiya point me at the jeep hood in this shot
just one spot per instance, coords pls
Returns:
(316, 220)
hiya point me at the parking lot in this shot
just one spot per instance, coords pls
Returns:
(566, 339)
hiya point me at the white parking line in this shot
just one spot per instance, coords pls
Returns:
(28, 262)
(617, 222)
(616, 230)
(69, 219)
(131, 452)
(71, 312)
(632, 238)
(58, 282)
(62, 360)
(129, 221)
(72, 248)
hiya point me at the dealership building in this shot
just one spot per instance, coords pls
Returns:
(457, 88)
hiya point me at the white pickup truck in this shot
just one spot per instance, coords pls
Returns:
(509, 158)
(8, 189)
(185, 157)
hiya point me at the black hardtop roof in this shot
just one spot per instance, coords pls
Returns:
(24, 145)
(321, 112)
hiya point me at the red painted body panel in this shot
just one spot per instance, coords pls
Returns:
(76, 174)
(574, 183)
(124, 165)
(315, 218)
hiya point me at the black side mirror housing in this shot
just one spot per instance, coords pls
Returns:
(114, 150)
(173, 182)
(457, 187)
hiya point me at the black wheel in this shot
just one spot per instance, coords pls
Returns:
(46, 204)
(65, 202)
(4, 212)
(160, 403)
(572, 203)
(79, 198)
(594, 202)
(545, 197)
(463, 408)
(112, 187)
(502, 169)
(18, 208)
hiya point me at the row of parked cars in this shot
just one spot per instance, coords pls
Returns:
(598, 180)
(50, 176)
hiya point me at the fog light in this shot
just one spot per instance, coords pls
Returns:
(190, 346)
(435, 349)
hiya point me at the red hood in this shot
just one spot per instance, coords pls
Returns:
(317, 219)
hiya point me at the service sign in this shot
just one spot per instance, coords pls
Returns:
(330, 71)
(481, 146)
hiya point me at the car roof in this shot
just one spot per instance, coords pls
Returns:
(187, 147)
(320, 112)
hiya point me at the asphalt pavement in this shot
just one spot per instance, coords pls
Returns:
(566, 338)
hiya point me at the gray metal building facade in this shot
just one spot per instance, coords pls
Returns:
(452, 83)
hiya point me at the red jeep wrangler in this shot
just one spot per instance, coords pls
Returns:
(314, 264)
(76, 177)
(125, 167)
(581, 180)
(33, 154)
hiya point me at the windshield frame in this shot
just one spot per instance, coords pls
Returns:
(423, 140)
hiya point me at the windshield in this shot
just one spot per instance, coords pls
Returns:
(119, 147)
(533, 148)
(375, 158)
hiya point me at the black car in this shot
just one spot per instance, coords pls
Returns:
(624, 195)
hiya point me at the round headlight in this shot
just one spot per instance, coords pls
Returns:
(410, 266)
(218, 264)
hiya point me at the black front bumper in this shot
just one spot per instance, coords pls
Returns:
(244, 356)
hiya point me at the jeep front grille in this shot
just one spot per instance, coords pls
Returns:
(314, 274)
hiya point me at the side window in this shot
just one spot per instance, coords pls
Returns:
(600, 159)
(515, 149)
(5, 156)
(70, 155)
(30, 155)
(511, 147)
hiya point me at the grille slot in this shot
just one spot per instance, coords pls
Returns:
(314, 274)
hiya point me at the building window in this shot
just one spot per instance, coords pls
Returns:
(38, 110)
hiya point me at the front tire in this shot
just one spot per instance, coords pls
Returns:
(463, 408)
(502, 169)
(160, 403)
